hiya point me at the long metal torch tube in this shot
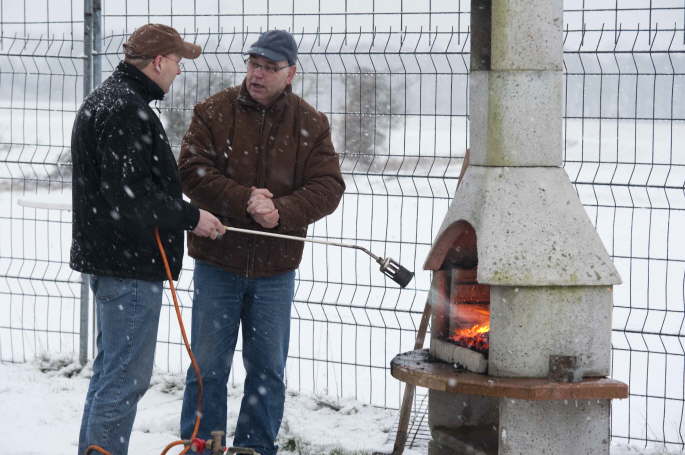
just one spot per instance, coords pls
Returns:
(301, 239)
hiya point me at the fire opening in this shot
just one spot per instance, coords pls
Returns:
(471, 325)
(469, 311)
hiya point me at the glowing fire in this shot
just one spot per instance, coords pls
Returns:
(474, 323)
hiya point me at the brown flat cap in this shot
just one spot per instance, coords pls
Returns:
(151, 40)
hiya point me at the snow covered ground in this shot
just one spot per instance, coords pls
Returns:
(42, 403)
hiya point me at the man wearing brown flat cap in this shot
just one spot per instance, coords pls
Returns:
(126, 185)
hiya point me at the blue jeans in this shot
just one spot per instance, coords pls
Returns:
(221, 302)
(127, 319)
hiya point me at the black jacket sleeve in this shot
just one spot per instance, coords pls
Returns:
(130, 176)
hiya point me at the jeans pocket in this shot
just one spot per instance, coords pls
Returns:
(110, 288)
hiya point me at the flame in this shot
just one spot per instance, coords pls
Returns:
(471, 331)
(475, 336)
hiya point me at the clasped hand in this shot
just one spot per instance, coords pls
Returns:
(261, 208)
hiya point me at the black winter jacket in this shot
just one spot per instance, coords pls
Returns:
(125, 183)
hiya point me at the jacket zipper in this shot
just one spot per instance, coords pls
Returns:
(252, 252)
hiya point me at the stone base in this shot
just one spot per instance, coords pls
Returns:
(554, 427)
(452, 353)
(436, 449)
(471, 424)
(462, 423)
(478, 440)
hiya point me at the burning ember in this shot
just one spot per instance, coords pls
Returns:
(472, 326)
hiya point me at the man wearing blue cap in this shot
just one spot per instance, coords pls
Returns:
(258, 157)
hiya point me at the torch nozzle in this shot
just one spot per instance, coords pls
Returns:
(394, 270)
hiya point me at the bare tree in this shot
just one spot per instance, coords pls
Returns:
(365, 124)
(188, 90)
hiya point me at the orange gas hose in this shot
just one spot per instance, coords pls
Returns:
(97, 449)
(193, 361)
(173, 444)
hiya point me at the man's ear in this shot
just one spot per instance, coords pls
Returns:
(157, 63)
(291, 73)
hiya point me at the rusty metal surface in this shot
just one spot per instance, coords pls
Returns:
(564, 368)
(420, 369)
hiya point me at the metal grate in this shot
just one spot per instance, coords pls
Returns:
(418, 431)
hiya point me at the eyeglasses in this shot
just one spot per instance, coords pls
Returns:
(178, 62)
(270, 69)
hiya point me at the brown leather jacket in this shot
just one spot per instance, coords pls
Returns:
(234, 143)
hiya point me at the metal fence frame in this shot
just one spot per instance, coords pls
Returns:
(625, 77)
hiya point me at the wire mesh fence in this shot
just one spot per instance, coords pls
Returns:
(623, 128)
(39, 89)
(393, 79)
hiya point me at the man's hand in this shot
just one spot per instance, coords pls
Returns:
(258, 193)
(268, 220)
(261, 208)
(209, 226)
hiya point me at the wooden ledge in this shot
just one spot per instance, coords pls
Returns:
(420, 369)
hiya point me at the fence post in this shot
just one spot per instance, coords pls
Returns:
(87, 46)
(97, 42)
(87, 85)
(83, 326)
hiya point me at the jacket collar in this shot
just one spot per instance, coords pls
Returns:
(281, 102)
(142, 84)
